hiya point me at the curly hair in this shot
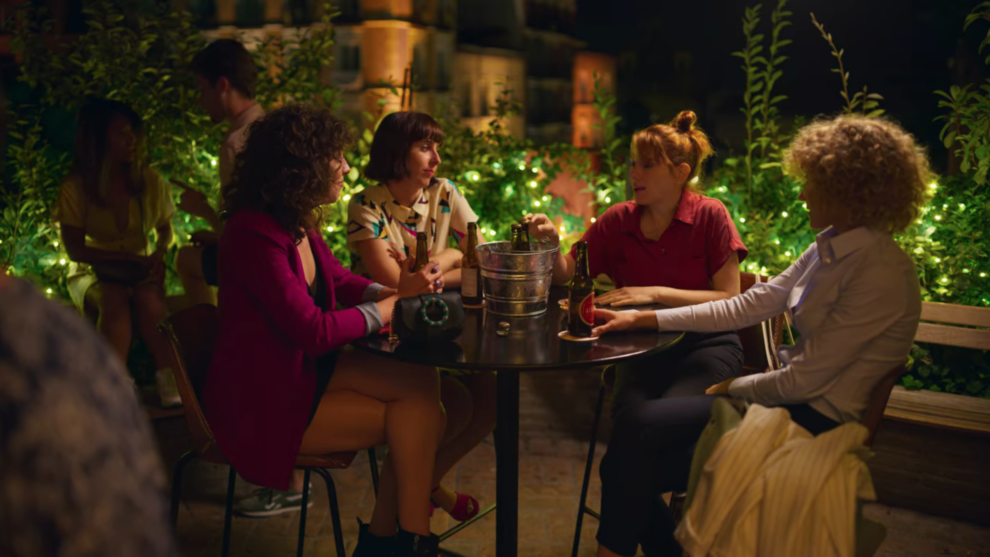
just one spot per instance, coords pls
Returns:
(674, 143)
(870, 166)
(284, 167)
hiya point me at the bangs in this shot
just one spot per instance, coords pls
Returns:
(648, 147)
(426, 128)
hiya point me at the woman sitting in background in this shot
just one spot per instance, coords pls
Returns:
(105, 209)
(383, 221)
(281, 383)
(853, 296)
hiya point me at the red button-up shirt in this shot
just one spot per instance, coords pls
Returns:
(698, 242)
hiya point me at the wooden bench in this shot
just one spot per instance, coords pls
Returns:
(933, 449)
(948, 325)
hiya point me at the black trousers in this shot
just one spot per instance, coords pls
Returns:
(660, 410)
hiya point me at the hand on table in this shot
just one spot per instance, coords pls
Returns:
(612, 321)
(427, 280)
(628, 296)
(720, 388)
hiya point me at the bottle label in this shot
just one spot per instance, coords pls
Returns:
(469, 283)
(588, 309)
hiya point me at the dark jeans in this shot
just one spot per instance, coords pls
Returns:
(653, 439)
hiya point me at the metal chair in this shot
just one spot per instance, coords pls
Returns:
(191, 334)
(754, 361)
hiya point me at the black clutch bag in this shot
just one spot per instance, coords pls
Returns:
(428, 318)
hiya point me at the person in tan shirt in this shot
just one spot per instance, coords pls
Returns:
(226, 75)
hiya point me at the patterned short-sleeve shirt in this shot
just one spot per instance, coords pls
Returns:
(441, 211)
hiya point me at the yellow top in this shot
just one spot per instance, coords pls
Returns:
(73, 209)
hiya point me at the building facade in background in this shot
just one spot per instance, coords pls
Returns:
(465, 55)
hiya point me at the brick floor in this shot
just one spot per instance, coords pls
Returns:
(550, 476)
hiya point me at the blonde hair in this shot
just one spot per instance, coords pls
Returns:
(870, 166)
(674, 143)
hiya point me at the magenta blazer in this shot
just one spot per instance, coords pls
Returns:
(262, 381)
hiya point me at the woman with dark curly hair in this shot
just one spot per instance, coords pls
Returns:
(281, 382)
(853, 296)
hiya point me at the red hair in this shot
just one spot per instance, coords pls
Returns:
(674, 143)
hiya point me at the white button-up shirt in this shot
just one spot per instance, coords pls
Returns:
(855, 300)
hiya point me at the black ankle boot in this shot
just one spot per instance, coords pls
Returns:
(408, 544)
(370, 545)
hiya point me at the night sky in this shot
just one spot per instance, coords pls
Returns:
(676, 55)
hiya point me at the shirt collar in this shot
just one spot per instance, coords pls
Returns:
(246, 116)
(687, 208)
(832, 246)
(420, 207)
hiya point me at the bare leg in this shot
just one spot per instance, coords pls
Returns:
(149, 305)
(481, 423)
(114, 303)
(410, 421)
(189, 267)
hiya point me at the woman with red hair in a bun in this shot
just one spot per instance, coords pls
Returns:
(673, 246)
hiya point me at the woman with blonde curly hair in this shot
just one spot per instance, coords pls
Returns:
(853, 296)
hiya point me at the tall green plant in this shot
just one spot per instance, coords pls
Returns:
(967, 125)
(863, 101)
(768, 124)
(610, 184)
(752, 61)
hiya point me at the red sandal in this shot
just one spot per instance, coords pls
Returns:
(465, 508)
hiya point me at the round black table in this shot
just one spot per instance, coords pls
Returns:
(531, 345)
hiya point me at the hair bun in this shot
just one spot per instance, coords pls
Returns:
(685, 121)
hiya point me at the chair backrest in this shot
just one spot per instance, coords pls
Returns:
(878, 401)
(191, 334)
(948, 324)
(754, 352)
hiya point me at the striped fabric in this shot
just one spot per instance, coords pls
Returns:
(771, 488)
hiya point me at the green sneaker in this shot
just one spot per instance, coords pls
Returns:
(265, 501)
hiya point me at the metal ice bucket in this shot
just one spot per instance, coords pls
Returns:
(516, 283)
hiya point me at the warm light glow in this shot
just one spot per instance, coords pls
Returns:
(482, 230)
(545, 198)
(742, 219)
(496, 165)
(535, 170)
(347, 197)
(532, 184)
(777, 242)
(55, 243)
(962, 207)
(49, 291)
(982, 275)
(329, 229)
(722, 189)
(944, 280)
(522, 167)
(784, 214)
(562, 229)
(787, 253)
(938, 217)
(536, 204)
(805, 205)
(694, 180)
(593, 219)
(933, 185)
(608, 200)
(61, 262)
(213, 162)
(937, 260)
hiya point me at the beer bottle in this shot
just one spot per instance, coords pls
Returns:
(581, 296)
(524, 235)
(518, 243)
(471, 270)
(422, 256)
